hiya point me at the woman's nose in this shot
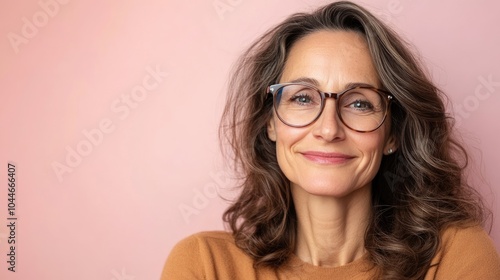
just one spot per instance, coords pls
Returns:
(328, 126)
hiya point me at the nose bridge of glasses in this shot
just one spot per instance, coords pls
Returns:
(331, 95)
(331, 110)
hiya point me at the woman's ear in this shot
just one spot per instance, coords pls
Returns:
(271, 129)
(391, 145)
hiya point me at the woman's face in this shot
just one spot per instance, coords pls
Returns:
(325, 157)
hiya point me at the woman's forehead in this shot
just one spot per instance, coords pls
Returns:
(333, 58)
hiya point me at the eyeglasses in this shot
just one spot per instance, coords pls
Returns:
(360, 108)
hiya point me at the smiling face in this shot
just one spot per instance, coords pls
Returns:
(327, 158)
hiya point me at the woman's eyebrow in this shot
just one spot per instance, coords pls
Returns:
(306, 80)
(358, 84)
(315, 82)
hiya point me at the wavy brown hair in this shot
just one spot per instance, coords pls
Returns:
(418, 191)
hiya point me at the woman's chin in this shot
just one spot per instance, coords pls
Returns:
(327, 190)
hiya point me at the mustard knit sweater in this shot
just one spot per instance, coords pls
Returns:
(465, 253)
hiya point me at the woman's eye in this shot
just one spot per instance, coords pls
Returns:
(302, 99)
(361, 105)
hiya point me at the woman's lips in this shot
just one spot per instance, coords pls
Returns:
(326, 158)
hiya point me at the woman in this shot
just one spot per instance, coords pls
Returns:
(349, 169)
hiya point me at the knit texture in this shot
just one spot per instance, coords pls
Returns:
(465, 253)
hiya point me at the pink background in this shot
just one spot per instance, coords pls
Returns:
(149, 177)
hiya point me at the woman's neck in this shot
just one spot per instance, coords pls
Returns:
(331, 231)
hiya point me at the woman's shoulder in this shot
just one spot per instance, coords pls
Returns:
(204, 243)
(468, 236)
(465, 252)
(206, 255)
(212, 239)
(209, 236)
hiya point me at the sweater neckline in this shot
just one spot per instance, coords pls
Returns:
(360, 265)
